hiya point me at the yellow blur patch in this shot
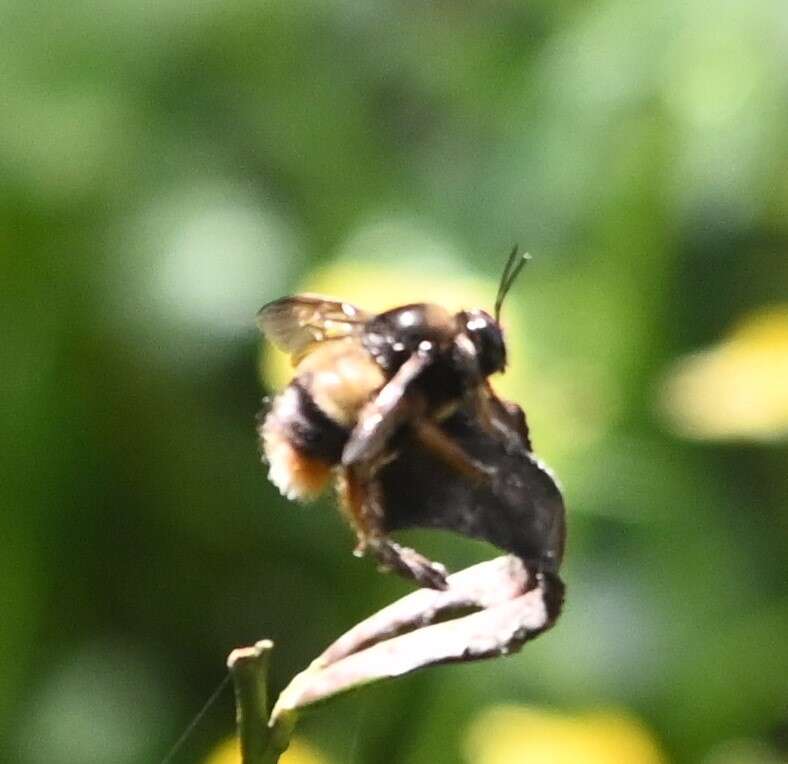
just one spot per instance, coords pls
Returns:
(376, 288)
(298, 752)
(737, 389)
(519, 735)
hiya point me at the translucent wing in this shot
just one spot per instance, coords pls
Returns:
(296, 323)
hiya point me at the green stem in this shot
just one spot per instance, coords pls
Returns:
(260, 743)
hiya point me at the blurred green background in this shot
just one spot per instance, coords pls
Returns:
(166, 168)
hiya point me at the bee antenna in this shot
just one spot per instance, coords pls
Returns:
(514, 264)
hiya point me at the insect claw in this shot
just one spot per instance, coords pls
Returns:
(361, 548)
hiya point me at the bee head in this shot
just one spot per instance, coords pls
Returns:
(483, 330)
(485, 333)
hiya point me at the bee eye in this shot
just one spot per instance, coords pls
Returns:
(487, 337)
(476, 324)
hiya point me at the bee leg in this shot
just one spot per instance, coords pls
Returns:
(444, 448)
(501, 419)
(403, 560)
(361, 499)
(392, 407)
(408, 562)
(364, 515)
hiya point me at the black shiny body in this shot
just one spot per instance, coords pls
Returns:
(394, 336)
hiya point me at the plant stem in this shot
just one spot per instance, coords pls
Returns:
(260, 743)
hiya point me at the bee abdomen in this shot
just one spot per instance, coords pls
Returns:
(301, 443)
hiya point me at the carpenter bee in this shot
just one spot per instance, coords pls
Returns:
(398, 409)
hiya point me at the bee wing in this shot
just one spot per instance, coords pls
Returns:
(296, 323)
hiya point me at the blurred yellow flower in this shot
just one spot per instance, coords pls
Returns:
(736, 389)
(522, 735)
(298, 752)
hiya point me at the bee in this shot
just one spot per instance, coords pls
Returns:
(397, 409)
